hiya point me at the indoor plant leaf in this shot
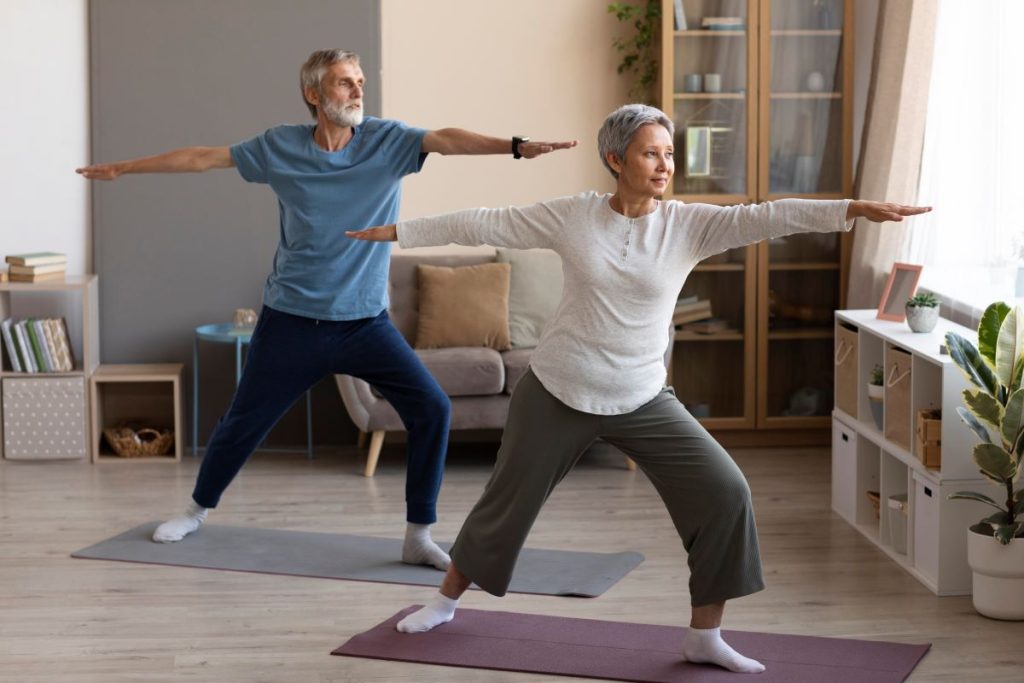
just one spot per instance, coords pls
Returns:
(984, 407)
(980, 497)
(988, 330)
(994, 462)
(1013, 419)
(1009, 347)
(972, 422)
(970, 361)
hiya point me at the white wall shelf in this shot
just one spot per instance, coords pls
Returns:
(867, 457)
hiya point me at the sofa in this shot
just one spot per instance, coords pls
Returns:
(478, 380)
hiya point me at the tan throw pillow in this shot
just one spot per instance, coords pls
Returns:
(466, 306)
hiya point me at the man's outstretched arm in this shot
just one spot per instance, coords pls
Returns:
(459, 141)
(184, 160)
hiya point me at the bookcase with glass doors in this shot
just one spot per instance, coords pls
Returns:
(761, 94)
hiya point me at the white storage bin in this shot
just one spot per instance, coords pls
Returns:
(44, 418)
(844, 471)
(926, 527)
(898, 511)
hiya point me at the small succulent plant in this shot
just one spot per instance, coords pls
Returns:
(925, 300)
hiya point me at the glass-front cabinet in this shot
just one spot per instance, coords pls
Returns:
(760, 92)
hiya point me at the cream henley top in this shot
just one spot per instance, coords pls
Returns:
(603, 350)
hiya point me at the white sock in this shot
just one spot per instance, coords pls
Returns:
(440, 610)
(705, 645)
(178, 528)
(419, 548)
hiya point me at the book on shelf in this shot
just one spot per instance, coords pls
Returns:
(12, 347)
(61, 345)
(723, 24)
(707, 326)
(45, 347)
(42, 277)
(37, 258)
(37, 347)
(680, 15)
(691, 311)
(27, 358)
(37, 270)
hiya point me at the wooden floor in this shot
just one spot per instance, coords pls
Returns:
(85, 620)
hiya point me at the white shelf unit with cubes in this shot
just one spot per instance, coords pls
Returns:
(930, 540)
(46, 415)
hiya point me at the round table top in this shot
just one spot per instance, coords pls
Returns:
(225, 333)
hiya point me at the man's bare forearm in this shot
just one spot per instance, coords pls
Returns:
(184, 160)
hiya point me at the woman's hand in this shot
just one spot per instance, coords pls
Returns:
(879, 212)
(380, 233)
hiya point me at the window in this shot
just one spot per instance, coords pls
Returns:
(972, 167)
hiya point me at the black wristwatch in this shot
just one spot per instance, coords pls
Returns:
(516, 141)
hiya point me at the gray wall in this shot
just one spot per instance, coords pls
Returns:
(177, 251)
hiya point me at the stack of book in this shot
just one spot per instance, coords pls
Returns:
(37, 345)
(722, 24)
(36, 267)
(707, 326)
(690, 309)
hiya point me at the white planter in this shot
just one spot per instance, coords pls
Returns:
(922, 318)
(998, 576)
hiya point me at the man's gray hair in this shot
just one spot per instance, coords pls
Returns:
(622, 124)
(312, 72)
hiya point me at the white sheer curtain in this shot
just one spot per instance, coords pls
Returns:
(972, 166)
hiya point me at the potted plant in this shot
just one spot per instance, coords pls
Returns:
(876, 394)
(640, 48)
(995, 412)
(922, 312)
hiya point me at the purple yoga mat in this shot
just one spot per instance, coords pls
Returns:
(621, 651)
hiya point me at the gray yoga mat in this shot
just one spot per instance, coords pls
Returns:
(356, 558)
(620, 651)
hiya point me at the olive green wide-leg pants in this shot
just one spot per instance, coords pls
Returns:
(703, 489)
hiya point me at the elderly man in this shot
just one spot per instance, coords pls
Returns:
(325, 301)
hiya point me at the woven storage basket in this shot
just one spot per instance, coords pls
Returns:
(131, 442)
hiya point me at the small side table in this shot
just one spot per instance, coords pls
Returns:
(227, 333)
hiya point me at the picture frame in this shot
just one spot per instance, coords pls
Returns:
(900, 286)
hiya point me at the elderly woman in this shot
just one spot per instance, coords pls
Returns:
(598, 369)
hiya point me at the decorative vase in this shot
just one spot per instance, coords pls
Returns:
(922, 318)
(875, 400)
(998, 576)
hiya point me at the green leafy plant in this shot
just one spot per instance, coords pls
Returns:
(925, 300)
(877, 375)
(995, 406)
(639, 51)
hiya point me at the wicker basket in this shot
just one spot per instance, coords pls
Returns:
(132, 442)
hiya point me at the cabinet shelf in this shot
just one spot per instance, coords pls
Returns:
(809, 265)
(688, 336)
(705, 33)
(806, 333)
(800, 32)
(806, 95)
(710, 95)
(719, 268)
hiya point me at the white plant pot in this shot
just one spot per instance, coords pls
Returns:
(922, 318)
(998, 576)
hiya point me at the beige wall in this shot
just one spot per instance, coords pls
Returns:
(541, 68)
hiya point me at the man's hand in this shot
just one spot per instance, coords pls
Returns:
(879, 212)
(101, 171)
(531, 150)
(458, 141)
(380, 233)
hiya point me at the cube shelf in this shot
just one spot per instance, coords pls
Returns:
(148, 395)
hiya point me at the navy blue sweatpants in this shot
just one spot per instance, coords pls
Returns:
(289, 354)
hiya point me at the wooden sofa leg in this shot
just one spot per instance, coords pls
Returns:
(361, 441)
(376, 443)
(630, 464)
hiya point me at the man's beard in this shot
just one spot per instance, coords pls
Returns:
(342, 114)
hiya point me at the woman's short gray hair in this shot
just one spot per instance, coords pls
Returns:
(622, 124)
(312, 72)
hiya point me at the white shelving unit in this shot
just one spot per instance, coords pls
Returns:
(76, 300)
(867, 458)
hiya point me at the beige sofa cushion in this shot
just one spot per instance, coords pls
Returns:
(465, 306)
(535, 289)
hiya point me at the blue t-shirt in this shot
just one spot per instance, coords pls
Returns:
(318, 272)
